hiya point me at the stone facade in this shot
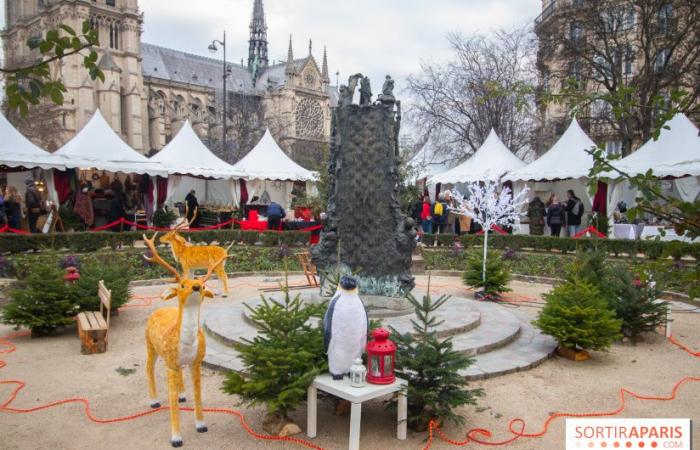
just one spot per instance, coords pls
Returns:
(149, 91)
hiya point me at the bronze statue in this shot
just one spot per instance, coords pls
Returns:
(348, 92)
(387, 95)
(365, 92)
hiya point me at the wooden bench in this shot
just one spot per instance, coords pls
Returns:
(93, 325)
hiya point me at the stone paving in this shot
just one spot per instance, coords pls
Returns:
(499, 340)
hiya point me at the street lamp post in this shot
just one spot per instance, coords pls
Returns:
(227, 71)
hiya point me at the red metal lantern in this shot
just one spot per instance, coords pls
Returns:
(381, 354)
(72, 275)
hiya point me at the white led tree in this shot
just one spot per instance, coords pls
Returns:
(488, 207)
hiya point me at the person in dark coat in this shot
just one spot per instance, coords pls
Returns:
(13, 207)
(574, 212)
(275, 214)
(555, 216)
(117, 210)
(192, 209)
(32, 201)
(536, 212)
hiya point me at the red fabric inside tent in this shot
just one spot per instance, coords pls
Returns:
(600, 201)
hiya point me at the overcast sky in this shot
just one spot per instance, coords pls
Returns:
(374, 37)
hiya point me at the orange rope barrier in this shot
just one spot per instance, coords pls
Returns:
(517, 426)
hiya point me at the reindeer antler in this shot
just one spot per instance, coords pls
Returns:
(157, 259)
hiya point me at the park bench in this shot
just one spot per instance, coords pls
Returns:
(93, 325)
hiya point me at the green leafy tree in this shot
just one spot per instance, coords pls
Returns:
(578, 317)
(431, 366)
(116, 275)
(283, 359)
(42, 302)
(28, 84)
(497, 277)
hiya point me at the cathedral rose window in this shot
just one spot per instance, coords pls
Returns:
(309, 119)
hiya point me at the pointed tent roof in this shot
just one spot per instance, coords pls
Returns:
(267, 161)
(567, 159)
(676, 153)
(493, 159)
(18, 151)
(97, 146)
(186, 154)
(427, 164)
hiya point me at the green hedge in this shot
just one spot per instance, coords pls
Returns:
(650, 249)
(90, 242)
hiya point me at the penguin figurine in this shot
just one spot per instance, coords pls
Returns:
(345, 328)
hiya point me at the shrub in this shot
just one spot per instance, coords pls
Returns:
(7, 269)
(42, 302)
(578, 317)
(497, 277)
(270, 238)
(635, 302)
(283, 359)
(164, 218)
(250, 237)
(431, 366)
(116, 276)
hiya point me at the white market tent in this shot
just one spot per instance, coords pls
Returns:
(18, 152)
(97, 146)
(493, 159)
(675, 154)
(426, 164)
(191, 165)
(267, 169)
(565, 166)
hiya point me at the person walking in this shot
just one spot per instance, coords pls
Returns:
(13, 207)
(555, 216)
(275, 214)
(440, 213)
(574, 212)
(32, 201)
(426, 219)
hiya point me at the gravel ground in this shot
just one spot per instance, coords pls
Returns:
(54, 369)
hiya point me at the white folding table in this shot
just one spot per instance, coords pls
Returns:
(356, 396)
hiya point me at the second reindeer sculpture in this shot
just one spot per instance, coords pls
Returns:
(193, 257)
(175, 335)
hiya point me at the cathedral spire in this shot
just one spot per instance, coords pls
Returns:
(291, 68)
(311, 47)
(324, 70)
(257, 45)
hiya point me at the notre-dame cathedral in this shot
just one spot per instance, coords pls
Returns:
(150, 91)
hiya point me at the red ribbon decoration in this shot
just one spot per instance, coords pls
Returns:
(591, 230)
(495, 228)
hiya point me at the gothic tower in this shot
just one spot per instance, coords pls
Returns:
(257, 45)
(120, 96)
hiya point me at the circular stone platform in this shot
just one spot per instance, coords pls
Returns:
(498, 340)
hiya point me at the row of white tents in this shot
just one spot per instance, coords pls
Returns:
(185, 161)
(674, 156)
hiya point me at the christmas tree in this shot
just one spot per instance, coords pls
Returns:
(283, 359)
(431, 366)
(496, 280)
(636, 302)
(578, 317)
(42, 302)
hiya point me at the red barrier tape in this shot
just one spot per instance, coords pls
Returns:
(591, 230)
(123, 221)
(7, 229)
(495, 228)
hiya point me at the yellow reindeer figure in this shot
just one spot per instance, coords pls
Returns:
(192, 257)
(175, 335)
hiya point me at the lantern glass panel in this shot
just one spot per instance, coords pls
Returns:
(387, 365)
(374, 366)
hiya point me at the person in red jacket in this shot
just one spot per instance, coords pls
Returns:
(425, 216)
